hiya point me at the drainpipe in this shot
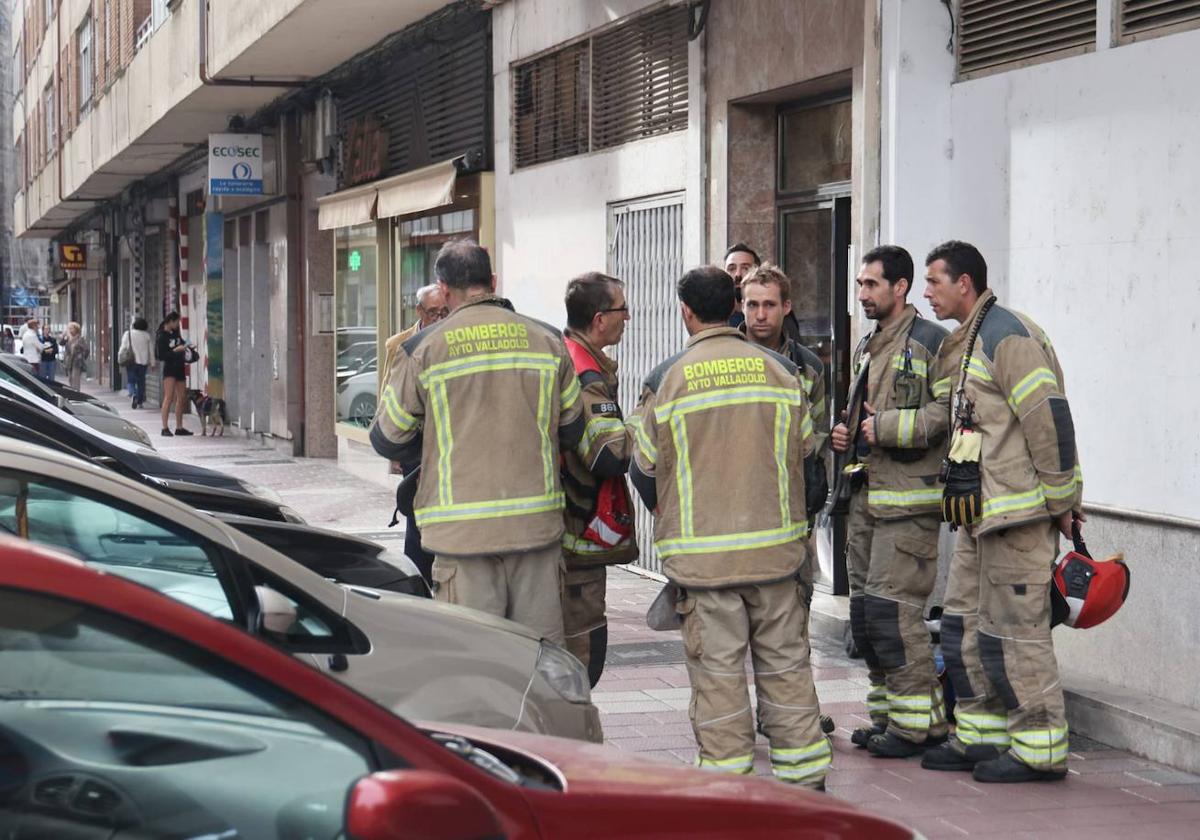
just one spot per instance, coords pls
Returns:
(202, 49)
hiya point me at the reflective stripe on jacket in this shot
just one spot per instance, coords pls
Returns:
(1029, 463)
(602, 453)
(489, 396)
(720, 436)
(910, 393)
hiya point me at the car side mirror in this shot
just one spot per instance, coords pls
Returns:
(397, 804)
(276, 614)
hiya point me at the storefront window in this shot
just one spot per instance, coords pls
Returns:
(417, 243)
(357, 337)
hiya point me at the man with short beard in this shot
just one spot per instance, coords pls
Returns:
(892, 529)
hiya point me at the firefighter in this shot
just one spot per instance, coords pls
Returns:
(767, 302)
(722, 446)
(1012, 484)
(892, 531)
(599, 518)
(488, 398)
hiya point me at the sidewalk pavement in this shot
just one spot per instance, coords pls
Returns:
(643, 696)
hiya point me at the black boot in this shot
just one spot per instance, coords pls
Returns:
(951, 756)
(861, 736)
(891, 745)
(1009, 769)
(827, 724)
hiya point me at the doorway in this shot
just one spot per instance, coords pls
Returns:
(812, 210)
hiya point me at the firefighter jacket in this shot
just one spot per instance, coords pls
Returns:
(812, 379)
(1015, 391)
(488, 397)
(602, 454)
(910, 393)
(720, 435)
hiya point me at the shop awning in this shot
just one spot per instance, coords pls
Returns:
(354, 206)
(412, 192)
(400, 195)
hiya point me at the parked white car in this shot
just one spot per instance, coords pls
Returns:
(357, 397)
(425, 660)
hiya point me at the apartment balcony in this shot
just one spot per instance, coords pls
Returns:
(160, 108)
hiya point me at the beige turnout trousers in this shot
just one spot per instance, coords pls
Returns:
(771, 620)
(526, 587)
(584, 620)
(996, 640)
(894, 569)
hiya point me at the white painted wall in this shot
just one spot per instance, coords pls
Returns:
(551, 219)
(1079, 179)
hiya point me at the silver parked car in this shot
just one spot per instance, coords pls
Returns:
(423, 659)
(103, 420)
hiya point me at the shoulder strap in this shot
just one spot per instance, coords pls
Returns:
(966, 362)
(581, 358)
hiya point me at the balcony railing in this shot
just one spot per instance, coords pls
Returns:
(144, 32)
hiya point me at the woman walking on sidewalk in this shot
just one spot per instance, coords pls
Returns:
(31, 346)
(172, 351)
(140, 346)
(76, 354)
(49, 354)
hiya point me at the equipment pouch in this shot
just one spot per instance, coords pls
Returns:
(907, 390)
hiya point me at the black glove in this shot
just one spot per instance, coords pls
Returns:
(816, 485)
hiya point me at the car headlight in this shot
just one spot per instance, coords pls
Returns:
(262, 492)
(143, 438)
(291, 515)
(564, 672)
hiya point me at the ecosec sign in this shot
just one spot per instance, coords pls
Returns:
(235, 164)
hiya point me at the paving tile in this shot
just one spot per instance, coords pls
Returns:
(619, 708)
(659, 742)
(1166, 793)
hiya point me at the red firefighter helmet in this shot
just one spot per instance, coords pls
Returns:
(1087, 592)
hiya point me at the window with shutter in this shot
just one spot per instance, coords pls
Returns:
(995, 35)
(550, 106)
(87, 72)
(640, 78)
(1141, 19)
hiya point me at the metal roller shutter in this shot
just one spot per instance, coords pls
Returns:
(1140, 19)
(1001, 34)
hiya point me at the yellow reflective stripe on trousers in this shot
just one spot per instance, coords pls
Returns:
(545, 399)
(445, 441)
(919, 366)
(732, 542)
(570, 394)
(485, 362)
(783, 422)
(1064, 491)
(727, 396)
(977, 368)
(975, 728)
(877, 698)
(648, 450)
(904, 498)
(797, 765)
(1041, 747)
(1014, 503)
(743, 764)
(908, 423)
(1030, 383)
(918, 702)
(942, 387)
(683, 476)
(400, 418)
(489, 510)
(910, 710)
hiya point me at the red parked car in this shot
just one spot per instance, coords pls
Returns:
(124, 714)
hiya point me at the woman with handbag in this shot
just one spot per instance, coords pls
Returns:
(175, 353)
(134, 356)
(76, 354)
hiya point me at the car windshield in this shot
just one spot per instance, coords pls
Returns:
(355, 354)
(18, 378)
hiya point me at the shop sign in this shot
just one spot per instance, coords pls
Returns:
(72, 257)
(235, 164)
(366, 150)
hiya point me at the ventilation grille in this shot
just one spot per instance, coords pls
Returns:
(640, 79)
(1156, 17)
(999, 34)
(550, 102)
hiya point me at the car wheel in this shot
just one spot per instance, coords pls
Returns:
(362, 410)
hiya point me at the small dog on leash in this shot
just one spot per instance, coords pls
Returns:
(209, 410)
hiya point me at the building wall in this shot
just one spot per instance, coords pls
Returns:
(764, 47)
(1079, 179)
(552, 218)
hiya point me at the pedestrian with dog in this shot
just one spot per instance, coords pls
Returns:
(172, 350)
(76, 354)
